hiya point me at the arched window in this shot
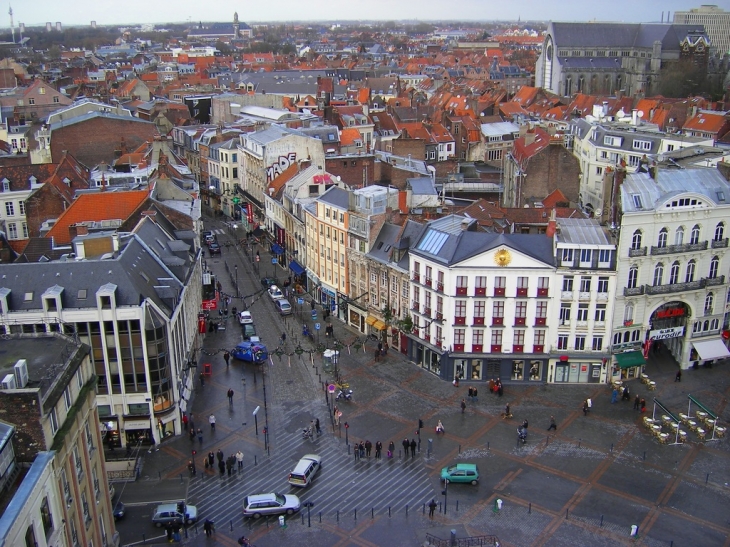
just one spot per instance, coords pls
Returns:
(689, 276)
(694, 238)
(679, 236)
(697, 326)
(709, 301)
(629, 312)
(714, 267)
(633, 277)
(636, 240)
(627, 336)
(719, 231)
(715, 324)
(674, 273)
(658, 274)
(663, 238)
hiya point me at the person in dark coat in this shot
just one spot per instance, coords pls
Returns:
(192, 435)
(368, 448)
(414, 444)
(211, 458)
(406, 443)
(391, 449)
(361, 449)
(222, 467)
(378, 450)
(219, 455)
(463, 406)
(432, 508)
(226, 357)
(230, 462)
(471, 393)
(637, 402)
(553, 425)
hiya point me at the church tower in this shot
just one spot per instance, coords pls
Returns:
(236, 36)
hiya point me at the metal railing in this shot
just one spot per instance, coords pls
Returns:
(676, 249)
(473, 541)
(718, 243)
(641, 251)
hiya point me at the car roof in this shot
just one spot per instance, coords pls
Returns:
(274, 287)
(261, 497)
(466, 466)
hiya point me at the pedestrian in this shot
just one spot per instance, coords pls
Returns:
(678, 377)
(338, 415)
(431, 508)
(391, 449)
(463, 406)
(283, 338)
(191, 467)
(211, 421)
(643, 405)
(414, 444)
(585, 407)
(492, 385)
(406, 444)
(200, 436)
(456, 381)
(317, 427)
(239, 459)
(500, 389)
(230, 462)
(637, 402)
(219, 455)
(222, 467)
(211, 458)
(361, 449)
(471, 393)
(553, 425)
(191, 422)
(524, 424)
(192, 435)
(378, 450)
(226, 357)
(368, 448)
(185, 421)
(474, 394)
(230, 397)
(377, 354)
(626, 395)
(208, 528)
(202, 380)
(168, 532)
(614, 395)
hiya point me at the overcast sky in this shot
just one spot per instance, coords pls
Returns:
(108, 12)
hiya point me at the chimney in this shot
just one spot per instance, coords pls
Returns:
(529, 137)
(552, 224)
(634, 117)
(465, 225)
(81, 230)
(403, 201)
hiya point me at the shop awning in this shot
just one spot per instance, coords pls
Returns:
(371, 319)
(630, 359)
(277, 249)
(711, 349)
(374, 322)
(296, 267)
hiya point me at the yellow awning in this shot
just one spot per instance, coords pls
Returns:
(371, 319)
(379, 325)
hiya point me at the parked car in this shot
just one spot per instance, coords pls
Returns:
(252, 352)
(268, 281)
(245, 318)
(305, 470)
(174, 513)
(248, 331)
(258, 505)
(275, 292)
(208, 237)
(461, 472)
(283, 306)
(214, 249)
(118, 510)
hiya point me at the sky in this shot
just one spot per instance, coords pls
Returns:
(108, 12)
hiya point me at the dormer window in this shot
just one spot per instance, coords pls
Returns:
(33, 181)
(6, 185)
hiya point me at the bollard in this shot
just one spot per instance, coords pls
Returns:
(547, 439)
(566, 514)
(231, 522)
(320, 517)
(611, 448)
(459, 450)
(372, 512)
(601, 525)
(457, 505)
(186, 531)
(338, 515)
(144, 539)
(579, 440)
(707, 478)
(529, 508)
(424, 509)
(644, 455)
(348, 449)
(487, 446)
(388, 511)
(302, 519)
(355, 514)
(430, 447)
(399, 455)
(159, 475)
(181, 479)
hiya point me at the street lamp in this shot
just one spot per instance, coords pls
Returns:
(236, 268)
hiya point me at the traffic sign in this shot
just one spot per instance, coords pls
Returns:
(317, 326)
(333, 307)
(300, 301)
(274, 261)
(331, 388)
(236, 201)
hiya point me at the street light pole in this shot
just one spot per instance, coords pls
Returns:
(236, 268)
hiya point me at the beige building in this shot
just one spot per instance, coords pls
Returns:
(716, 22)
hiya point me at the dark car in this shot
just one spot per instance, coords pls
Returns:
(248, 330)
(268, 282)
(118, 510)
(214, 249)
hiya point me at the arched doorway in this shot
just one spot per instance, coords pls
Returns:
(668, 327)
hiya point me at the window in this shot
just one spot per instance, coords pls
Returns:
(694, 237)
(582, 312)
(21, 207)
(563, 341)
(404, 289)
(374, 299)
(629, 313)
(439, 306)
(658, 274)
(497, 337)
(541, 308)
(568, 283)
(641, 145)
(522, 282)
(608, 140)
(383, 277)
(600, 313)
(580, 343)
(477, 337)
(690, 272)
(9, 208)
(679, 236)
(714, 266)
(54, 421)
(597, 343)
(46, 518)
(78, 464)
(460, 309)
(89, 438)
(636, 240)
(663, 233)
(429, 272)
(720, 231)
(521, 309)
(479, 309)
(519, 337)
(585, 284)
(586, 255)
(461, 283)
(633, 277)
(604, 256)
(539, 339)
(603, 284)
(674, 273)
(459, 335)
(67, 397)
(567, 255)
(709, 300)
(498, 309)
(373, 278)
(481, 285)
(393, 285)
(564, 314)
(500, 282)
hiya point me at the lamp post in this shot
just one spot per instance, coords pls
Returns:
(236, 268)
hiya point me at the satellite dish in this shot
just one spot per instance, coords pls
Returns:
(640, 113)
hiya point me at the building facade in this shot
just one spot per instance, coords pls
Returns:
(716, 22)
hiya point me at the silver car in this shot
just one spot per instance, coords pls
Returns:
(258, 505)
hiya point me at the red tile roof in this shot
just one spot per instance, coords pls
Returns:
(707, 122)
(97, 207)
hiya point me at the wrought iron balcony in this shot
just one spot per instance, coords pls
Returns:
(641, 251)
(678, 249)
(714, 281)
(675, 287)
(634, 291)
(718, 243)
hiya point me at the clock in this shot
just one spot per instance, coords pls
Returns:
(502, 257)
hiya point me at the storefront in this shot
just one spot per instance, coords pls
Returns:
(707, 352)
(377, 326)
(578, 370)
(356, 316)
(138, 431)
(628, 365)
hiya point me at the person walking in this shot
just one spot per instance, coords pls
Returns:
(406, 444)
(678, 377)
(637, 402)
(219, 455)
(226, 357)
(317, 427)
(614, 395)
(230, 462)
(643, 405)
(208, 527)
(500, 389)
(474, 394)
(338, 414)
(239, 459)
(553, 425)
(211, 459)
(185, 421)
(361, 449)
(222, 467)
(391, 449)
(202, 380)
(192, 435)
(378, 450)
(191, 467)
(432, 508)
(211, 421)
(471, 393)
(200, 436)
(414, 444)
(368, 448)
(585, 407)
(230, 397)
(463, 406)
(283, 338)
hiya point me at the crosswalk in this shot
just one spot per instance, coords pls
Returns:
(342, 486)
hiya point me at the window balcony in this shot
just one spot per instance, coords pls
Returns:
(480, 291)
(678, 249)
(564, 323)
(540, 321)
(458, 347)
(459, 320)
(440, 287)
(479, 321)
(520, 321)
(497, 321)
(439, 316)
(427, 281)
(538, 349)
(602, 297)
(416, 277)
(640, 251)
(460, 291)
(427, 338)
(713, 281)
(682, 287)
(522, 291)
(477, 348)
(584, 295)
(498, 291)
(518, 349)
(599, 324)
(543, 292)
(496, 348)
(581, 324)
(427, 311)
(416, 307)
(566, 295)
(718, 243)
(634, 291)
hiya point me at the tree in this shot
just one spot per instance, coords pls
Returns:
(683, 79)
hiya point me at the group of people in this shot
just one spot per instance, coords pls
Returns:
(625, 394)
(224, 464)
(495, 386)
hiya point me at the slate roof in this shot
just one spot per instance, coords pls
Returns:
(582, 231)
(337, 197)
(383, 246)
(652, 194)
(422, 186)
(620, 35)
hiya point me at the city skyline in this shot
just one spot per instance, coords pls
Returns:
(137, 12)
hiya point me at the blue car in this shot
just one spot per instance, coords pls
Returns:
(253, 352)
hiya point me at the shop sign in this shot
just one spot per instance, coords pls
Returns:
(670, 312)
(664, 334)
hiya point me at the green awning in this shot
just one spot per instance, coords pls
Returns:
(630, 359)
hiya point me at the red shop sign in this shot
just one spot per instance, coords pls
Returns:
(670, 312)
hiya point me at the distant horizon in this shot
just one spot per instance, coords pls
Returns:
(476, 11)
